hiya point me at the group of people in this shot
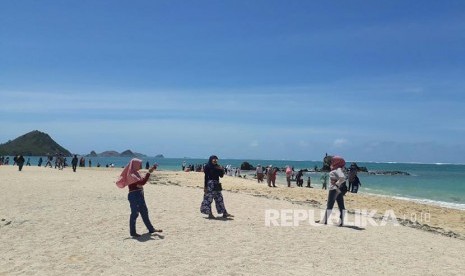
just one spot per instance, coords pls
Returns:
(230, 170)
(59, 161)
(270, 172)
(192, 167)
(135, 182)
(17, 160)
(4, 160)
(82, 162)
(337, 177)
(299, 179)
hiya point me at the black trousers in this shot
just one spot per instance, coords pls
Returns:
(334, 197)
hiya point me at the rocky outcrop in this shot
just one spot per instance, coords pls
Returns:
(127, 153)
(109, 153)
(92, 154)
(379, 172)
(247, 166)
(326, 163)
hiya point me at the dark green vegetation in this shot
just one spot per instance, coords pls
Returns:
(34, 143)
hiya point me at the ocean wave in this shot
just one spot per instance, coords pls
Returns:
(451, 205)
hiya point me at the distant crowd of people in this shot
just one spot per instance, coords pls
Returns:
(57, 161)
(228, 169)
(270, 173)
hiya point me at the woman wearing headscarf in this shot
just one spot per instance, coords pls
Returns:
(269, 175)
(259, 172)
(212, 189)
(288, 175)
(273, 176)
(130, 177)
(337, 179)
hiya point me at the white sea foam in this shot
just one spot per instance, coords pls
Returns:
(451, 205)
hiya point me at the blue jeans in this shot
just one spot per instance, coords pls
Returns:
(137, 203)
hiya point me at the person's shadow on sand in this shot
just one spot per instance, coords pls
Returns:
(147, 237)
(220, 218)
(353, 227)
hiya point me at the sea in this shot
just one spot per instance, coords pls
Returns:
(437, 184)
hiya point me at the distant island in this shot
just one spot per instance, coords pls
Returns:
(37, 143)
(126, 153)
(34, 143)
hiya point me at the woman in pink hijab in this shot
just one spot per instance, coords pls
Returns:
(130, 177)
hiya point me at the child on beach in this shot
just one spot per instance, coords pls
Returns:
(130, 177)
(324, 181)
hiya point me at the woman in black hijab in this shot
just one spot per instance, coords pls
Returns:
(212, 189)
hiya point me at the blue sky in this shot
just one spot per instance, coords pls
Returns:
(368, 80)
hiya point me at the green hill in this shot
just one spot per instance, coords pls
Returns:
(34, 143)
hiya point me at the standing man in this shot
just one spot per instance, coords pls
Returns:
(20, 161)
(354, 181)
(74, 162)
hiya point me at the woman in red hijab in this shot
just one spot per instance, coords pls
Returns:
(337, 179)
(130, 177)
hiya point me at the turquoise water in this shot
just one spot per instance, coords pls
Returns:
(440, 184)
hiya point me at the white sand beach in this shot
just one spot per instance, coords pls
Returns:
(63, 223)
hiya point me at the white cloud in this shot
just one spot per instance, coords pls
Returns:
(254, 144)
(341, 142)
(303, 144)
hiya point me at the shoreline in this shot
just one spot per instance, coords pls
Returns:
(436, 203)
(281, 182)
(423, 185)
(426, 201)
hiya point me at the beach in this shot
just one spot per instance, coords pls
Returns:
(63, 223)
